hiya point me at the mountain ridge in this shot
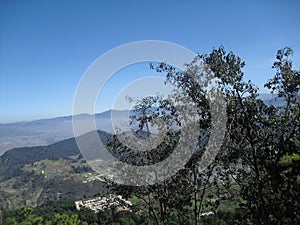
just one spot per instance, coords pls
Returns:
(12, 161)
(48, 131)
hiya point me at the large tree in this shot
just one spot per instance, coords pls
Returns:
(260, 151)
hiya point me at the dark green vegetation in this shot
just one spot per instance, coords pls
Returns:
(64, 213)
(254, 179)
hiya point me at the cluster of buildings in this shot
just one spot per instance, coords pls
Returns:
(103, 203)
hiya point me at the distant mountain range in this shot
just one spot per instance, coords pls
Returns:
(270, 99)
(49, 131)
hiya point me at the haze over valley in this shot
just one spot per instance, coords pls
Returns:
(49, 131)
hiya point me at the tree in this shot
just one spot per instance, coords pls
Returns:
(183, 197)
(260, 150)
(262, 143)
(24, 216)
(64, 219)
(277, 154)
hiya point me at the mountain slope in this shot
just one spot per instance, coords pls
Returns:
(12, 161)
(39, 175)
(49, 131)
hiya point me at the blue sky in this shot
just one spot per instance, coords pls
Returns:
(46, 46)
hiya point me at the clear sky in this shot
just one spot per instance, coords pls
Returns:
(46, 46)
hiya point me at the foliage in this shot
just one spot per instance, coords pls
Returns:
(25, 216)
(260, 151)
